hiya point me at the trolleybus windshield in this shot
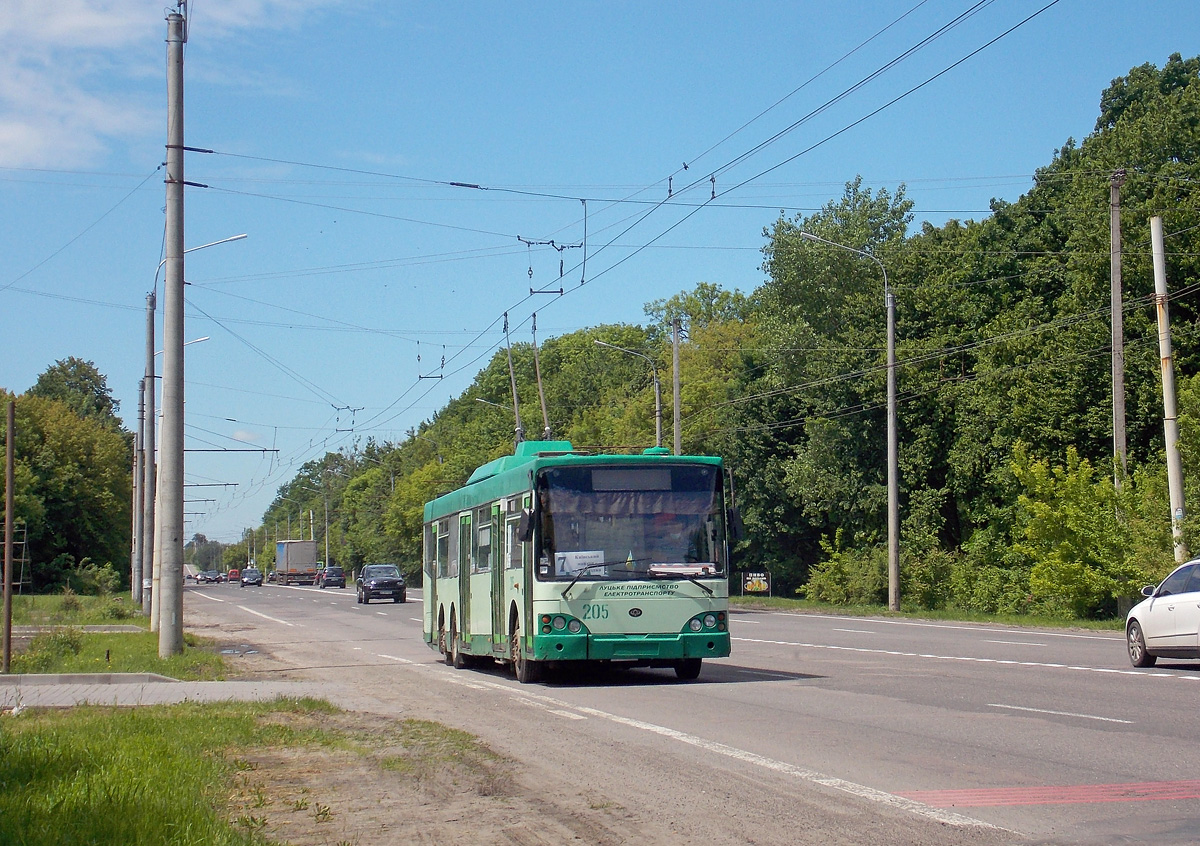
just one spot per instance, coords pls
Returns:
(625, 522)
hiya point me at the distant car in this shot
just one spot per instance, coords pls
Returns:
(1166, 623)
(252, 576)
(331, 577)
(234, 575)
(271, 576)
(381, 581)
(208, 576)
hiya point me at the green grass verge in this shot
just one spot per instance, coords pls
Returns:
(807, 606)
(74, 610)
(71, 650)
(93, 775)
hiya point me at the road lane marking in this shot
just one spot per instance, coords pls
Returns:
(1014, 642)
(1002, 661)
(557, 706)
(381, 613)
(265, 617)
(915, 624)
(1060, 713)
(854, 631)
(1060, 795)
(205, 595)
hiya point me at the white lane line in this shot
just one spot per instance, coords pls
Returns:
(742, 622)
(854, 631)
(557, 706)
(381, 613)
(265, 617)
(1060, 713)
(205, 595)
(1014, 642)
(919, 625)
(897, 654)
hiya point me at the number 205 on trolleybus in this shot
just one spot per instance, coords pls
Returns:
(553, 557)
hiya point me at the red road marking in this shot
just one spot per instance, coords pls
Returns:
(1064, 795)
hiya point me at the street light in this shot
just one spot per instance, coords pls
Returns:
(657, 389)
(893, 486)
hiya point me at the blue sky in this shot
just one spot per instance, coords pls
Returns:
(339, 124)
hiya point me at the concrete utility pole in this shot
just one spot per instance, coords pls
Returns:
(170, 633)
(139, 459)
(1170, 414)
(149, 469)
(1118, 325)
(893, 471)
(10, 457)
(675, 386)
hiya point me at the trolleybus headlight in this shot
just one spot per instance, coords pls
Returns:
(574, 627)
(710, 620)
(695, 625)
(559, 623)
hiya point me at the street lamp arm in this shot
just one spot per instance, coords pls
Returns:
(811, 237)
(657, 388)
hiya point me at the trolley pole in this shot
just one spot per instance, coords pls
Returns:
(675, 385)
(1118, 326)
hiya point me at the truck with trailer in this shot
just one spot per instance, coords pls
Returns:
(296, 562)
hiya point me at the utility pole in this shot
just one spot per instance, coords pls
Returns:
(139, 459)
(675, 378)
(170, 632)
(149, 470)
(1170, 414)
(10, 457)
(1118, 325)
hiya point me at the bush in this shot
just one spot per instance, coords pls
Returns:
(70, 602)
(849, 576)
(47, 648)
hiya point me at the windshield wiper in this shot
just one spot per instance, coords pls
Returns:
(689, 576)
(587, 567)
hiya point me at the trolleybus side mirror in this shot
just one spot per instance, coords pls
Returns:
(737, 530)
(525, 526)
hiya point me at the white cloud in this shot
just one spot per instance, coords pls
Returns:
(78, 77)
(245, 436)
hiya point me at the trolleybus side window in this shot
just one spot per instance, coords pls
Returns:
(482, 553)
(444, 559)
(518, 552)
(463, 559)
(430, 551)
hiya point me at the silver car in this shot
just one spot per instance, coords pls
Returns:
(1166, 624)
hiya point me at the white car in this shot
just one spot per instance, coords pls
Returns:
(1166, 624)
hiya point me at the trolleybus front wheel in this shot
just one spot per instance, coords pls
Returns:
(688, 668)
(525, 670)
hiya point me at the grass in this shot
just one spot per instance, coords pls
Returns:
(99, 775)
(71, 650)
(806, 606)
(66, 648)
(94, 775)
(70, 609)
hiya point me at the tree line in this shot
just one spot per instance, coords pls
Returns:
(1006, 460)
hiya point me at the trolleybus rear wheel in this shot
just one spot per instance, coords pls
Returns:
(688, 668)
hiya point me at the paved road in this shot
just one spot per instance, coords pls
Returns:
(844, 728)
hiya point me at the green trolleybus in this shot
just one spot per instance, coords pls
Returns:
(549, 556)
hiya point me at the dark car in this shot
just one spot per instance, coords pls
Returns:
(251, 576)
(331, 577)
(381, 581)
(208, 576)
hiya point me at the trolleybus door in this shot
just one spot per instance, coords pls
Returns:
(464, 576)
